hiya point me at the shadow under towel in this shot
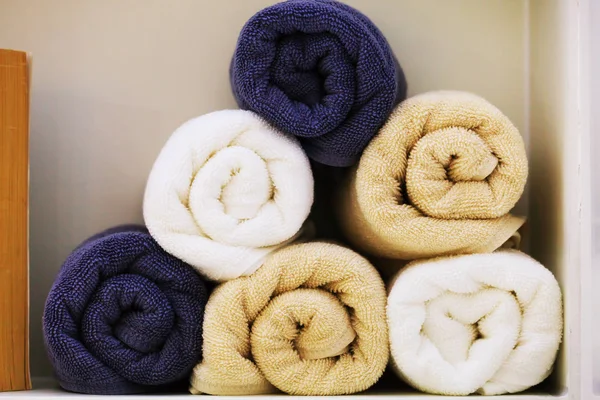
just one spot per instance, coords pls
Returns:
(310, 321)
(320, 70)
(123, 316)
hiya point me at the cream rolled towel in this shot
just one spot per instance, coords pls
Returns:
(480, 323)
(226, 190)
(439, 178)
(310, 321)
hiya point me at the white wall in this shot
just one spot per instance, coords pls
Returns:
(595, 183)
(113, 78)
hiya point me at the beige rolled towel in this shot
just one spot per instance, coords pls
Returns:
(439, 178)
(310, 321)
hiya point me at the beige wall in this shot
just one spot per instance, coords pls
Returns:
(113, 78)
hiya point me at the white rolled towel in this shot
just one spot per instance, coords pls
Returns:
(226, 190)
(481, 323)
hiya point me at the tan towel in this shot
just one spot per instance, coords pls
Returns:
(310, 321)
(439, 178)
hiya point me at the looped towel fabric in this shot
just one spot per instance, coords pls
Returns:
(438, 179)
(481, 323)
(320, 70)
(310, 321)
(226, 190)
(123, 316)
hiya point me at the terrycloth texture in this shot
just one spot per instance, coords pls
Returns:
(310, 321)
(123, 316)
(438, 179)
(388, 268)
(485, 323)
(226, 190)
(320, 70)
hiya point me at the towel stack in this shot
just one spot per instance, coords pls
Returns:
(421, 187)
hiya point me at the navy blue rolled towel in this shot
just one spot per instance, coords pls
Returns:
(123, 316)
(320, 70)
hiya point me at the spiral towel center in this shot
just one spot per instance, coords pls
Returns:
(451, 173)
(311, 321)
(487, 166)
(462, 325)
(234, 181)
(128, 312)
(232, 188)
(315, 70)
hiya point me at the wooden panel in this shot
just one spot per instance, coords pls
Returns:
(14, 178)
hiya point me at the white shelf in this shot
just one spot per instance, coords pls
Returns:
(58, 394)
(45, 388)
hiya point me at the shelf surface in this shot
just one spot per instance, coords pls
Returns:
(59, 394)
(46, 389)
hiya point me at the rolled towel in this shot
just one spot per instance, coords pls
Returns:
(123, 316)
(310, 321)
(226, 190)
(320, 70)
(485, 323)
(438, 179)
